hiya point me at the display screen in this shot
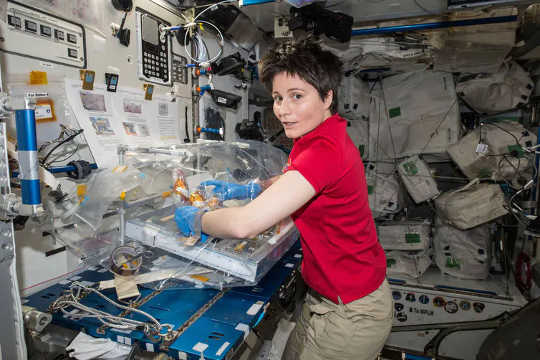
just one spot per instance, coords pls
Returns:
(71, 38)
(59, 34)
(45, 30)
(14, 21)
(30, 25)
(150, 30)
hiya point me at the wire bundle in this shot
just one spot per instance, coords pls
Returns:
(66, 135)
(72, 300)
(201, 57)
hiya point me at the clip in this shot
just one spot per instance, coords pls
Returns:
(148, 91)
(112, 81)
(87, 78)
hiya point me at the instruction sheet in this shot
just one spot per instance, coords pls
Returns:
(123, 117)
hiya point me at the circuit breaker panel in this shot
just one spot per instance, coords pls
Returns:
(53, 38)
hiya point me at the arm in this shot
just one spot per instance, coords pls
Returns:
(289, 193)
(265, 184)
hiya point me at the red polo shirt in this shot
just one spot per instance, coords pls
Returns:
(342, 256)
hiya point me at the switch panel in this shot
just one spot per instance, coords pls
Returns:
(179, 69)
(29, 33)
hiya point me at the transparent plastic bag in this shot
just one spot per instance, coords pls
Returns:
(102, 189)
(234, 162)
(156, 269)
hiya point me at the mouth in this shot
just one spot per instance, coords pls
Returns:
(287, 124)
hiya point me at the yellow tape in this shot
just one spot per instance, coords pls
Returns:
(38, 78)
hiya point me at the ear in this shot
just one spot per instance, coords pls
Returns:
(328, 99)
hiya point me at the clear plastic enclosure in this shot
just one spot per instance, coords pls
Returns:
(152, 183)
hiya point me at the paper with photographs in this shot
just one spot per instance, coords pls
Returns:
(125, 117)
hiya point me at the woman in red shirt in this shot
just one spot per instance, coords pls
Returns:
(348, 310)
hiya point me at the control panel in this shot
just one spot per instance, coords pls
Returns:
(179, 69)
(154, 51)
(35, 34)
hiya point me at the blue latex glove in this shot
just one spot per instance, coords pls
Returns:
(227, 191)
(188, 219)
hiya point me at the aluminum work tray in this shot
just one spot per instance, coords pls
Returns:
(248, 259)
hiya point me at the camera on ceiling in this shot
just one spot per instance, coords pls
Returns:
(315, 18)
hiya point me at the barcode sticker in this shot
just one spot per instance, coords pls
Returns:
(222, 348)
(253, 309)
(200, 347)
(481, 148)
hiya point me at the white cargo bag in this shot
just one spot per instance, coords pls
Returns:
(383, 192)
(501, 91)
(474, 152)
(416, 113)
(358, 132)
(500, 141)
(408, 263)
(471, 205)
(418, 180)
(353, 98)
(463, 254)
(409, 235)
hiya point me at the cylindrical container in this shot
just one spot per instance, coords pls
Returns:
(28, 159)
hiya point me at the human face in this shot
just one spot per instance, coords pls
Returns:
(298, 105)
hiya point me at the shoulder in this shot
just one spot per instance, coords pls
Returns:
(319, 143)
(317, 147)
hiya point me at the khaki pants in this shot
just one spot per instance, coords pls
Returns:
(356, 331)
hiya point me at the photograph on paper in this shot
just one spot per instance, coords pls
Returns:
(129, 128)
(132, 106)
(101, 125)
(93, 102)
(132, 129)
(163, 109)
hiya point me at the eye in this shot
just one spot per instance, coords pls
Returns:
(277, 98)
(297, 96)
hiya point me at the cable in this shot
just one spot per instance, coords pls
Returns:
(503, 129)
(186, 139)
(388, 119)
(66, 157)
(439, 125)
(424, 9)
(69, 138)
(193, 24)
(183, 271)
(378, 104)
(72, 300)
(220, 42)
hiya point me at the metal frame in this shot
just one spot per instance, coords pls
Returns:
(12, 343)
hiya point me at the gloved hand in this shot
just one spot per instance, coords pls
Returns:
(188, 219)
(227, 191)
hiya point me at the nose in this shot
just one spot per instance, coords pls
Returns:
(282, 108)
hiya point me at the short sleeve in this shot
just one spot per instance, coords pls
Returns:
(318, 162)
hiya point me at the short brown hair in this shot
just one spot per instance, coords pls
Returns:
(306, 59)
